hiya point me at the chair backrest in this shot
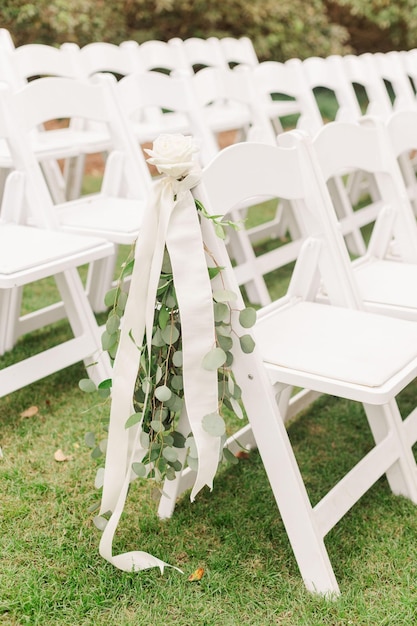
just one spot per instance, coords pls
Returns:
(53, 98)
(390, 71)
(274, 79)
(248, 171)
(37, 60)
(402, 129)
(216, 85)
(101, 56)
(327, 73)
(139, 92)
(360, 71)
(165, 56)
(238, 51)
(366, 148)
(198, 52)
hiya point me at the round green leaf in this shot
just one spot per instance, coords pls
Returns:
(163, 393)
(225, 342)
(157, 426)
(112, 324)
(90, 440)
(214, 424)
(170, 454)
(110, 297)
(247, 317)
(247, 344)
(99, 479)
(192, 463)
(139, 469)
(221, 312)
(133, 419)
(87, 385)
(144, 440)
(214, 359)
(177, 383)
(100, 522)
(177, 358)
(224, 295)
(170, 334)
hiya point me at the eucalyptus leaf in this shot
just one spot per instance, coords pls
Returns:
(99, 479)
(224, 295)
(157, 339)
(192, 448)
(177, 383)
(176, 465)
(162, 393)
(237, 409)
(177, 358)
(170, 334)
(170, 473)
(133, 420)
(170, 454)
(96, 453)
(103, 445)
(247, 317)
(171, 302)
(109, 340)
(157, 426)
(139, 469)
(110, 297)
(87, 385)
(163, 317)
(179, 439)
(214, 424)
(105, 384)
(226, 343)
(221, 312)
(219, 230)
(144, 440)
(247, 343)
(100, 522)
(90, 440)
(112, 324)
(122, 299)
(192, 463)
(175, 403)
(214, 359)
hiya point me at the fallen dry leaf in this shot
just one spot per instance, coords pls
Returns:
(197, 575)
(30, 412)
(242, 454)
(60, 456)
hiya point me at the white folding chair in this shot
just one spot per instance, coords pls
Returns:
(384, 274)
(238, 51)
(29, 254)
(115, 212)
(402, 129)
(31, 61)
(336, 349)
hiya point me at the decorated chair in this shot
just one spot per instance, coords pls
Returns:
(331, 348)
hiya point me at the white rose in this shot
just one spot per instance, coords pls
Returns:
(173, 155)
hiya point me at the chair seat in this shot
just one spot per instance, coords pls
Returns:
(343, 347)
(117, 219)
(225, 116)
(392, 282)
(147, 130)
(61, 143)
(31, 252)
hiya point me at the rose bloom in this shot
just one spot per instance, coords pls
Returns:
(173, 154)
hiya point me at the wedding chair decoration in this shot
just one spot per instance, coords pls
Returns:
(298, 343)
(175, 334)
(28, 254)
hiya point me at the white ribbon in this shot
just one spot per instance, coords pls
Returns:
(170, 221)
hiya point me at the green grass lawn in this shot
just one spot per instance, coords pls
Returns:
(51, 573)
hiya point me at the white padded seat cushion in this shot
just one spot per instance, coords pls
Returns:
(390, 282)
(337, 343)
(101, 214)
(25, 247)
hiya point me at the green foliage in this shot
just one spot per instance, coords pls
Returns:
(398, 20)
(279, 30)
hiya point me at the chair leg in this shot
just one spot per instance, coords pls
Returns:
(402, 475)
(99, 281)
(10, 304)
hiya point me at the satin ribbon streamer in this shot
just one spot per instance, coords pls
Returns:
(170, 221)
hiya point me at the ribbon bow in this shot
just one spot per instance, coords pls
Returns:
(170, 221)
